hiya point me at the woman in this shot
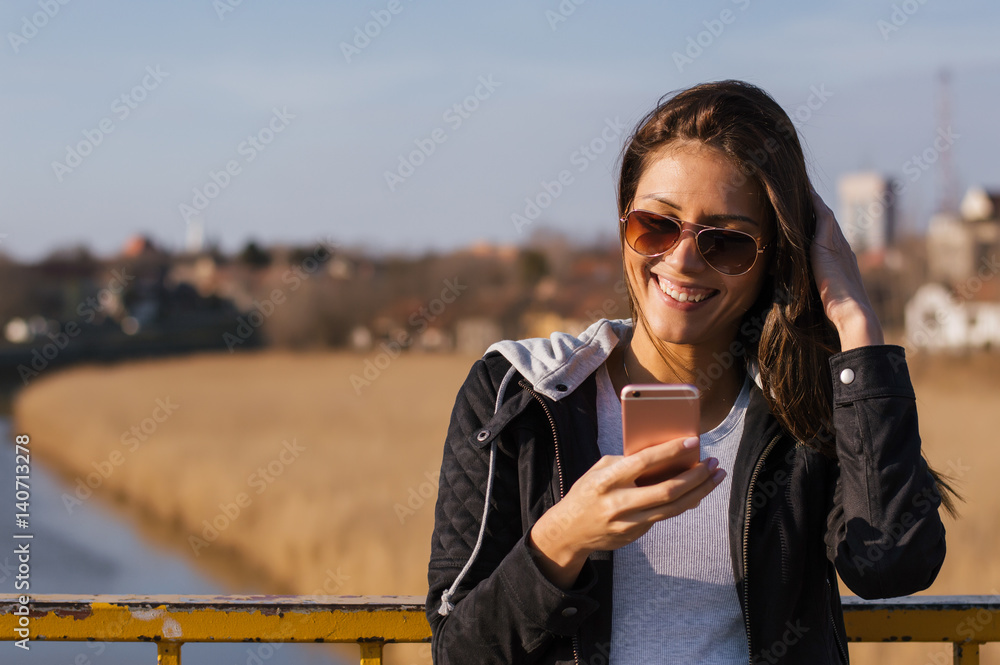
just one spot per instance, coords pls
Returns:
(741, 282)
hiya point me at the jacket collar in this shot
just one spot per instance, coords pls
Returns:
(557, 365)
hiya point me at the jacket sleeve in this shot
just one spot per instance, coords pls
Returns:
(884, 533)
(505, 610)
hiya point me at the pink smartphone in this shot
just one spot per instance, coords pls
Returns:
(655, 413)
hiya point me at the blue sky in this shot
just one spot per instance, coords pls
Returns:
(546, 88)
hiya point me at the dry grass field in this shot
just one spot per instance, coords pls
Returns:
(334, 487)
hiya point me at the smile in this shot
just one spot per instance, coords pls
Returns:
(683, 294)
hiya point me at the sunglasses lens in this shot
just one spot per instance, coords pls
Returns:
(729, 252)
(650, 234)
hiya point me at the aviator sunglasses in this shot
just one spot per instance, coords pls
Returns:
(729, 251)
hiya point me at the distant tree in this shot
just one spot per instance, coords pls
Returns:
(254, 256)
(315, 252)
(78, 254)
(533, 266)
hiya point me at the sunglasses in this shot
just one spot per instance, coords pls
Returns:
(729, 251)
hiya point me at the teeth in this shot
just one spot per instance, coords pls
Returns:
(681, 296)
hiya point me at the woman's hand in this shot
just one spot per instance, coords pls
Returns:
(605, 510)
(838, 279)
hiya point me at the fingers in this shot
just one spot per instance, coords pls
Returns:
(622, 470)
(694, 484)
(605, 509)
(686, 501)
(829, 235)
(635, 465)
(827, 228)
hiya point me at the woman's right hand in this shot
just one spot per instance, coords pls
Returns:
(605, 510)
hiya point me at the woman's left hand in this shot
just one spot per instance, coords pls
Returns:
(838, 279)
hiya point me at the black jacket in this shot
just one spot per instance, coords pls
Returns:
(794, 515)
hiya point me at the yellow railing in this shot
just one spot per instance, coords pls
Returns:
(372, 621)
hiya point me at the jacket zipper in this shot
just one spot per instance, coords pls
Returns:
(562, 486)
(746, 532)
(555, 435)
(836, 635)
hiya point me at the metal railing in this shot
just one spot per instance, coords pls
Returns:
(372, 621)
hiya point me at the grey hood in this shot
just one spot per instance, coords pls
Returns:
(557, 365)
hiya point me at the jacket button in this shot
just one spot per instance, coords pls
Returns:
(569, 611)
(561, 387)
(847, 376)
(483, 435)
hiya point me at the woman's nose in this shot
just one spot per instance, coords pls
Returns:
(685, 255)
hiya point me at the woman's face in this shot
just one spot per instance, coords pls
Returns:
(685, 300)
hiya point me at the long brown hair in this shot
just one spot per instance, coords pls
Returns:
(786, 332)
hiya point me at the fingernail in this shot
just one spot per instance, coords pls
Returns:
(713, 464)
(719, 475)
(691, 442)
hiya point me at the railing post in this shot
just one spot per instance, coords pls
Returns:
(371, 653)
(965, 653)
(168, 653)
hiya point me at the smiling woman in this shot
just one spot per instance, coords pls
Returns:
(712, 275)
(740, 280)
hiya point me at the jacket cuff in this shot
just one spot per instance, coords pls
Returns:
(542, 602)
(870, 371)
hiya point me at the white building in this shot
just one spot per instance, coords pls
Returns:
(937, 320)
(957, 245)
(867, 211)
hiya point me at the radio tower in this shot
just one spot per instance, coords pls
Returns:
(948, 201)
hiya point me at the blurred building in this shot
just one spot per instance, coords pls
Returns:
(867, 211)
(543, 324)
(938, 319)
(960, 308)
(474, 335)
(194, 241)
(959, 245)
